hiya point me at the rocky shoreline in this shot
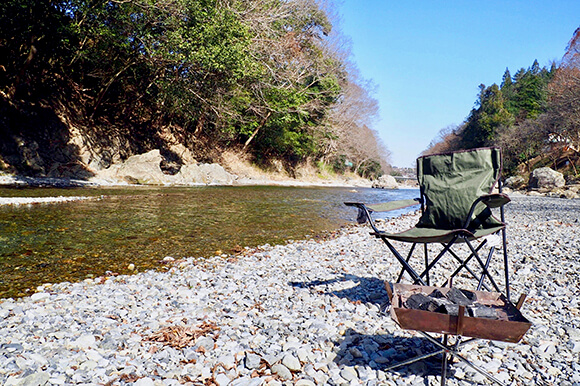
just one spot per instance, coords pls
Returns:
(305, 313)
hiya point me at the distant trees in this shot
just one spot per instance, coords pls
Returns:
(255, 75)
(562, 116)
(514, 115)
(350, 138)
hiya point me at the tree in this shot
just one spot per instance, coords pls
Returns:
(34, 45)
(261, 76)
(448, 139)
(276, 108)
(484, 121)
(563, 113)
(528, 99)
(521, 143)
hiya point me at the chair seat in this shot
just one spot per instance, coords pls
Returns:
(432, 235)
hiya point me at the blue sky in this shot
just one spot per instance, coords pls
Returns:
(428, 58)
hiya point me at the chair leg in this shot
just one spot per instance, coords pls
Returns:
(465, 262)
(505, 255)
(426, 254)
(439, 256)
(484, 269)
(414, 275)
(489, 256)
(505, 263)
(408, 258)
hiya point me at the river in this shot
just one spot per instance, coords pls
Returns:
(140, 226)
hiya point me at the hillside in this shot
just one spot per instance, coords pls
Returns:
(84, 87)
(534, 116)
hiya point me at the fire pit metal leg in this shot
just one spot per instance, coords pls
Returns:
(452, 351)
(444, 362)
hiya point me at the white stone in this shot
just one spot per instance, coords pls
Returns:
(291, 362)
(146, 381)
(84, 341)
(39, 296)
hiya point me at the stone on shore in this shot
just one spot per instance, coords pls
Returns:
(146, 169)
(386, 182)
(515, 183)
(546, 178)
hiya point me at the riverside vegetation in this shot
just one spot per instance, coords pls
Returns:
(534, 116)
(86, 85)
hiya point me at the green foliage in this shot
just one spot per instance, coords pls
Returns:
(531, 114)
(518, 99)
(34, 42)
(370, 169)
(229, 72)
(340, 164)
(483, 122)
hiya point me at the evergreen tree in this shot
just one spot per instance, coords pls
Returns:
(530, 93)
(485, 120)
(506, 80)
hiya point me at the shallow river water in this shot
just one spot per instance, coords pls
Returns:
(140, 226)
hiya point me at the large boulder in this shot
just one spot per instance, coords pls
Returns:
(206, 174)
(546, 179)
(146, 169)
(138, 169)
(217, 175)
(386, 182)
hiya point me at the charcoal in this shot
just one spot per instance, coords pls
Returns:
(421, 302)
(480, 311)
(437, 294)
(469, 295)
(450, 309)
(457, 297)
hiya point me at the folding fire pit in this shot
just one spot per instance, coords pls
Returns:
(476, 314)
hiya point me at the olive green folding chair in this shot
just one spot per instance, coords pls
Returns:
(456, 197)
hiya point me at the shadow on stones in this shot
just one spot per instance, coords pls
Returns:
(380, 352)
(368, 289)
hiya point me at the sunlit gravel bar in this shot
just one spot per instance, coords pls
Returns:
(305, 313)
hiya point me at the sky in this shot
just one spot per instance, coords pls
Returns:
(427, 58)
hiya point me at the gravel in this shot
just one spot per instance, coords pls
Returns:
(306, 313)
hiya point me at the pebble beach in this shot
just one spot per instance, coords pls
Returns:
(308, 312)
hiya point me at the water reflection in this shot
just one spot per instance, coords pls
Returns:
(140, 226)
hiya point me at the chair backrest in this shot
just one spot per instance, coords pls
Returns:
(451, 182)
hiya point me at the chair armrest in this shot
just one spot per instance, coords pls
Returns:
(385, 206)
(393, 205)
(494, 200)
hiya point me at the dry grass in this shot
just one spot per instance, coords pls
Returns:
(181, 336)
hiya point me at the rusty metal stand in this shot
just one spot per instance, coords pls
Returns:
(447, 351)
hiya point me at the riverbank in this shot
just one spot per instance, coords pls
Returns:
(308, 312)
(256, 179)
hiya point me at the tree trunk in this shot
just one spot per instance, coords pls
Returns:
(104, 90)
(257, 129)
